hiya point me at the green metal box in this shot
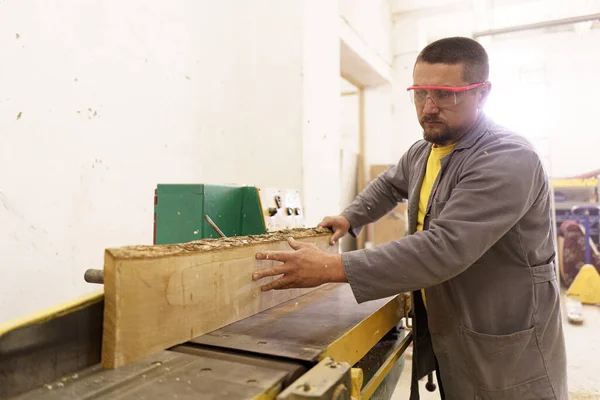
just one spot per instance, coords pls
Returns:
(179, 211)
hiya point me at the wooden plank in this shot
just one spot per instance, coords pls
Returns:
(391, 226)
(160, 296)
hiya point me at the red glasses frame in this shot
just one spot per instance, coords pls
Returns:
(455, 89)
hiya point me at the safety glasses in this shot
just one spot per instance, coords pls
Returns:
(442, 96)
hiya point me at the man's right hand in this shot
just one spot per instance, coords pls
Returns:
(339, 224)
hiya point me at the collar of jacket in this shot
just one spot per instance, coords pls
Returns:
(472, 136)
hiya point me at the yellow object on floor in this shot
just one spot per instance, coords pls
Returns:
(586, 285)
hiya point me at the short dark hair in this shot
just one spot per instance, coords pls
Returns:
(459, 50)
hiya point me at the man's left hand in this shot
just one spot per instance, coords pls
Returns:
(306, 266)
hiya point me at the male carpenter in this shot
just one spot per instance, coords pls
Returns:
(479, 259)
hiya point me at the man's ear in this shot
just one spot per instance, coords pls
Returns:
(484, 92)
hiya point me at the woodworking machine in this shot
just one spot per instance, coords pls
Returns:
(322, 345)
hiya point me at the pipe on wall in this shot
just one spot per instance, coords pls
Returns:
(538, 25)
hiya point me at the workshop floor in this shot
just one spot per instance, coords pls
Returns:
(583, 353)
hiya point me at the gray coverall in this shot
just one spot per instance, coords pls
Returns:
(492, 326)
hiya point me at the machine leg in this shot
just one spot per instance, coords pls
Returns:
(430, 386)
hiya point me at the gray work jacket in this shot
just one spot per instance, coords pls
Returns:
(486, 260)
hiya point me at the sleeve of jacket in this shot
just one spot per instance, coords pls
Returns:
(495, 189)
(380, 196)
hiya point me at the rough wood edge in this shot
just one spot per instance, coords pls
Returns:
(209, 245)
(109, 339)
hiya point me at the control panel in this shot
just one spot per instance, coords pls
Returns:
(281, 208)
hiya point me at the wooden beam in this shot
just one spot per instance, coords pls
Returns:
(361, 180)
(160, 296)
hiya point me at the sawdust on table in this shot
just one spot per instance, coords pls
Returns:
(208, 245)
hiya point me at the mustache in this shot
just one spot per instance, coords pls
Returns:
(428, 118)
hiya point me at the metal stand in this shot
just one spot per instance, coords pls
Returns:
(430, 386)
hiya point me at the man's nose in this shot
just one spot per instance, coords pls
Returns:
(429, 107)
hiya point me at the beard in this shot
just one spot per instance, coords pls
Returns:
(437, 132)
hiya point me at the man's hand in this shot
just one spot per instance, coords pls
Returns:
(340, 226)
(307, 266)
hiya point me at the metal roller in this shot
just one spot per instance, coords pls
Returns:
(94, 276)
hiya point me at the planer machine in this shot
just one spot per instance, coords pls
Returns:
(321, 345)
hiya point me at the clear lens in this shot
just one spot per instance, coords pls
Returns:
(441, 98)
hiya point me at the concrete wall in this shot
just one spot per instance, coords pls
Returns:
(102, 100)
(320, 119)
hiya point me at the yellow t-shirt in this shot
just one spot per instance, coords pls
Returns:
(431, 173)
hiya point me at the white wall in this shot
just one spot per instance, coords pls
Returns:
(320, 119)
(549, 95)
(367, 29)
(538, 76)
(380, 133)
(349, 118)
(543, 81)
(349, 150)
(372, 22)
(427, 6)
(102, 99)
(505, 13)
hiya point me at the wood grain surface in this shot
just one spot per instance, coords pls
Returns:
(160, 296)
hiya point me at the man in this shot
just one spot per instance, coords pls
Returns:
(481, 243)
